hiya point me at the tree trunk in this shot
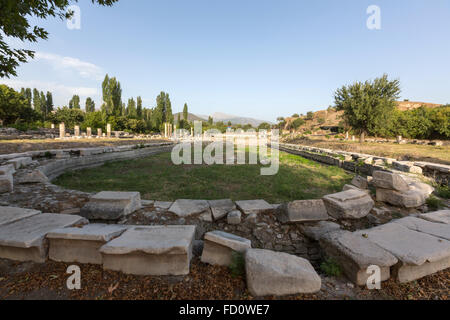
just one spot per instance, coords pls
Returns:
(362, 137)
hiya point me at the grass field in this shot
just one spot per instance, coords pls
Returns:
(158, 179)
(406, 152)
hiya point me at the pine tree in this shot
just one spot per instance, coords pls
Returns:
(185, 112)
(139, 108)
(49, 103)
(29, 96)
(90, 105)
(74, 103)
(131, 109)
(36, 100)
(43, 105)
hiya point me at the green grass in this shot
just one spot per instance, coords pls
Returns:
(331, 268)
(157, 178)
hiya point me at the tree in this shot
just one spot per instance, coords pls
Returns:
(112, 97)
(49, 103)
(14, 107)
(210, 121)
(139, 108)
(367, 106)
(185, 112)
(43, 105)
(29, 96)
(70, 117)
(90, 105)
(264, 126)
(310, 115)
(36, 100)
(15, 17)
(131, 109)
(295, 115)
(297, 123)
(74, 103)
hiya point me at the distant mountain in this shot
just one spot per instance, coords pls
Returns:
(191, 117)
(236, 119)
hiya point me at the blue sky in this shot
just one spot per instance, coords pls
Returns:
(256, 58)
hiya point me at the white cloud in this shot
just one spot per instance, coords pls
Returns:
(84, 69)
(61, 93)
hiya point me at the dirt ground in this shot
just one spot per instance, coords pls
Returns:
(19, 146)
(30, 281)
(404, 152)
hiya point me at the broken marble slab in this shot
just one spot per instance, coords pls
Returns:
(419, 254)
(435, 229)
(13, 214)
(254, 206)
(24, 240)
(221, 208)
(351, 204)
(108, 205)
(219, 247)
(442, 216)
(355, 254)
(185, 208)
(302, 211)
(270, 273)
(81, 245)
(153, 250)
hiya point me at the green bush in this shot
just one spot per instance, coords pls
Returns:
(237, 266)
(443, 192)
(331, 268)
(434, 203)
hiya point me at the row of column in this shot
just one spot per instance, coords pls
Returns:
(77, 133)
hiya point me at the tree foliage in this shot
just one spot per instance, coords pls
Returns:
(368, 105)
(15, 22)
(14, 107)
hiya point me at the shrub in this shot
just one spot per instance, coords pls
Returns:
(331, 268)
(434, 203)
(443, 192)
(237, 266)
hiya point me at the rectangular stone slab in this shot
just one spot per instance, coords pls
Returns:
(24, 240)
(219, 247)
(410, 247)
(108, 205)
(355, 254)
(13, 214)
(253, 206)
(350, 204)
(442, 216)
(302, 211)
(81, 245)
(154, 250)
(435, 229)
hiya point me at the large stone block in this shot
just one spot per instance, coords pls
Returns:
(355, 254)
(408, 199)
(13, 214)
(220, 208)
(186, 208)
(389, 180)
(360, 182)
(6, 183)
(279, 274)
(351, 204)
(24, 240)
(156, 250)
(20, 162)
(81, 245)
(219, 247)
(435, 229)
(318, 230)
(302, 211)
(420, 254)
(7, 170)
(442, 216)
(111, 205)
(34, 176)
(254, 206)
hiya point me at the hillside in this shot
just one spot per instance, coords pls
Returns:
(191, 117)
(236, 119)
(331, 118)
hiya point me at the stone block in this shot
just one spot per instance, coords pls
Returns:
(81, 245)
(355, 254)
(389, 180)
(278, 274)
(24, 240)
(156, 250)
(435, 229)
(302, 211)
(7, 170)
(6, 183)
(186, 208)
(13, 214)
(20, 162)
(408, 199)
(319, 229)
(219, 247)
(220, 208)
(34, 176)
(442, 216)
(352, 187)
(234, 217)
(351, 204)
(360, 182)
(419, 254)
(254, 206)
(108, 205)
